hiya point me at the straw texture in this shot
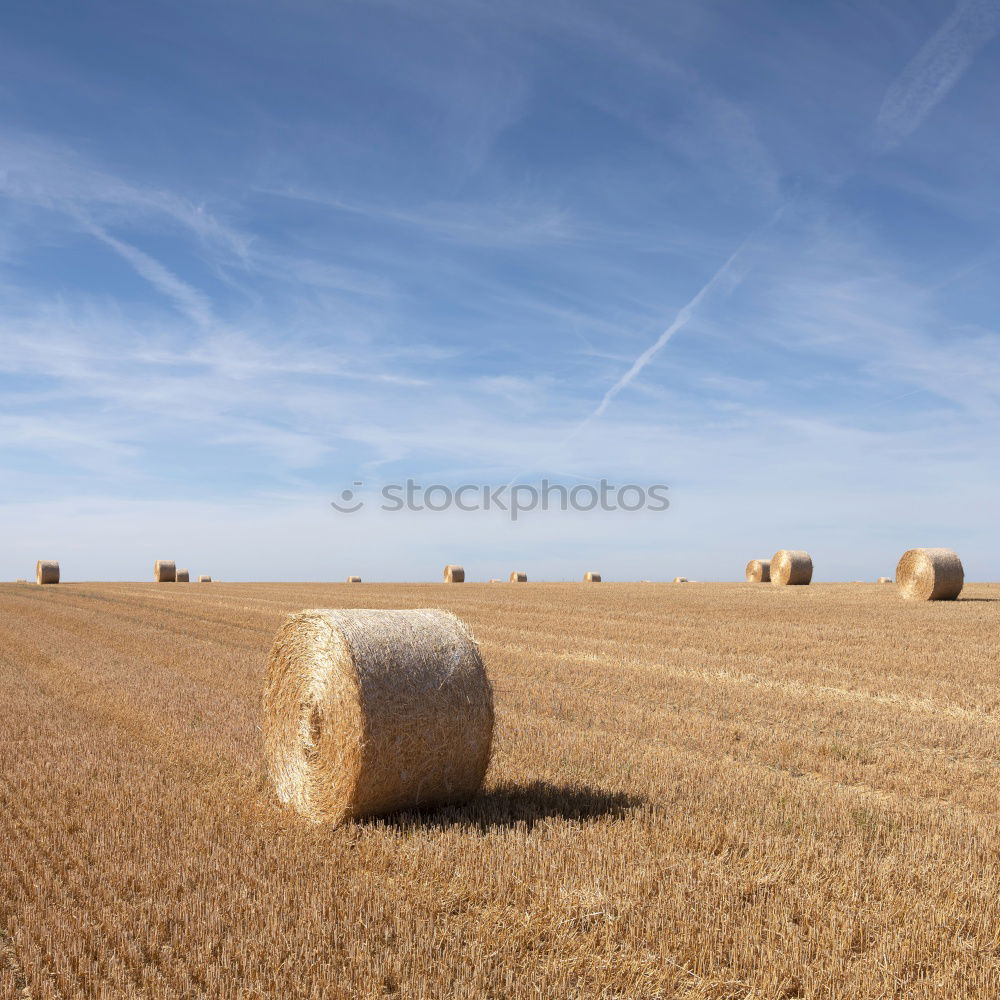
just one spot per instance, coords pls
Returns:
(370, 712)
(591, 577)
(759, 571)
(930, 575)
(517, 576)
(354, 579)
(46, 571)
(183, 576)
(454, 574)
(791, 567)
(165, 571)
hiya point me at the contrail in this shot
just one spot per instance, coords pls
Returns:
(934, 70)
(681, 320)
(683, 317)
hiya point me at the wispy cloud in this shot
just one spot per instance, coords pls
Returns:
(935, 69)
(187, 299)
(477, 224)
(50, 174)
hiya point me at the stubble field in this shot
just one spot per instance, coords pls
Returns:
(699, 791)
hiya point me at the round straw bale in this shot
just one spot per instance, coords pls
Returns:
(165, 571)
(454, 574)
(930, 575)
(370, 712)
(885, 579)
(680, 579)
(46, 571)
(354, 579)
(591, 577)
(204, 579)
(183, 576)
(759, 571)
(518, 576)
(791, 567)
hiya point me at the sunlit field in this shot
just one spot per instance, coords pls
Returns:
(700, 791)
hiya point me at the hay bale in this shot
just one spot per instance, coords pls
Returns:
(454, 574)
(518, 576)
(354, 579)
(885, 579)
(46, 571)
(791, 567)
(370, 712)
(164, 571)
(680, 579)
(930, 575)
(759, 571)
(183, 576)
(204, 579)
(591, 577)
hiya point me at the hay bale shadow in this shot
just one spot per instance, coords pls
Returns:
(510, 805)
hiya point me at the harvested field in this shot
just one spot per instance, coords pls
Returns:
(710, 791)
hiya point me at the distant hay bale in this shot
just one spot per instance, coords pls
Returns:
(354, 579)
(759, 571)
(680, 579)
(46, 571)
(204, 579)
(791, 567)
(454, 574)
(885, 579)
(930, 575)
(165, 571)
(371, 712)
(183, 576)
(591, 577)
(518, 576)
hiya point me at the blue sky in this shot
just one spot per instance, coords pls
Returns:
(251, 253)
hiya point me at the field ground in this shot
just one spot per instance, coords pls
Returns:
(699, 791)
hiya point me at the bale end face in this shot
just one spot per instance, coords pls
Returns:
(165, 571)
(454, 574)
(591, 577)
(680, 579)
(46, 571)
(758, 571)
(930, 575)
(791, 567)
(517, 576)
(370, 712)
(354, 579)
